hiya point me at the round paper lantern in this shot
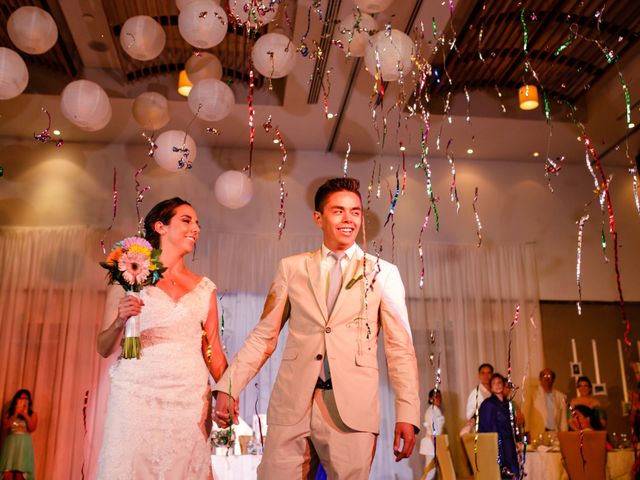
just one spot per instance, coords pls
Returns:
(203, 65)
(164, 154)
(373, 6)
(142, 38)
(14, 75)
(86, 105)
(394, 54)
(274, 55)
(151, 110)
(246, 12)
(233, 189)
(32, 30)
(183, 3)
(356, 28)
(211, 99)
(203, 23)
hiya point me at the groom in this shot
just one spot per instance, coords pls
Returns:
(324, 405)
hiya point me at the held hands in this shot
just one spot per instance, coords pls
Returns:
(128, 306)
(224, 403)
(405, 432)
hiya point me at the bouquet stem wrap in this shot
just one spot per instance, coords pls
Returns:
(131, 346)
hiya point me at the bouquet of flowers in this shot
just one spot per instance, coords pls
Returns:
(133, 263)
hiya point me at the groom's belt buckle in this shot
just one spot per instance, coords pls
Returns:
(324, 384)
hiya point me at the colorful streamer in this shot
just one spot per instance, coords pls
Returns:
(580, 223)
(44, 136)
(140, 191)
(453, 189)
(113, 217)
(477, 217)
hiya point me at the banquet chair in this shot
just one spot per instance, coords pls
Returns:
(487, 467)
(445, 462)
(593, 451)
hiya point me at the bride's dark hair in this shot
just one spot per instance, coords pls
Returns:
(162, 212)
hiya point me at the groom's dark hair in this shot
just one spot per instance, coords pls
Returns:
(333, 185)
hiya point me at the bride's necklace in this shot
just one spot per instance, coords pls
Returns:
(173, 282)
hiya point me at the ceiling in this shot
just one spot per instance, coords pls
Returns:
(471, 84)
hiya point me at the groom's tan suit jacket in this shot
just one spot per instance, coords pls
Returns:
(348, 337)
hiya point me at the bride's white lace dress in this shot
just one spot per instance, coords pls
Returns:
(157, 405)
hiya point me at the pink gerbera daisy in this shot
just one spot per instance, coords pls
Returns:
(134, 267)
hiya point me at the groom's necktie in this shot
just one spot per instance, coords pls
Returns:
(335, 283)
(335, 280)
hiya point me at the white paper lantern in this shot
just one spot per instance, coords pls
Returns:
(85, 104)
(355, 38)
(394, 54)
(203, 65)
(164, 154)
(274, 55)
(203, 23)
(142, 37)
(32, 30)
(211, 99)
(246, 12)
(180, 4)
(14, 75)
(151, 110)
(233, 189)
(373, 6)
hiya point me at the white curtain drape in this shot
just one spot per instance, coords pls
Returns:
(52, 295)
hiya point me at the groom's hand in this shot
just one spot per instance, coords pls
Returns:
(406, 433)
(226, 411)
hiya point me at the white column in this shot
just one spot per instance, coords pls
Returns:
(595, 359)
(625, 393)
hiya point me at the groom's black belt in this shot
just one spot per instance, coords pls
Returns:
(324, 384)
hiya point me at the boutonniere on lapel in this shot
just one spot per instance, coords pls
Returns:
(353, 281)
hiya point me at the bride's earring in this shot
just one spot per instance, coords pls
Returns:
(195, 246)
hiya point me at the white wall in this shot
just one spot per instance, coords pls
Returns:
(43, 185)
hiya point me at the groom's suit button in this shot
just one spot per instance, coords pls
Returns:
(327, 330)
(319, 356)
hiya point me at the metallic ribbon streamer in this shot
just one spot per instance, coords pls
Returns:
(345, 164)
(525, 32)
(251, 114)
(477, 217)
(580, 223)
(394, 198)
(44, 136)
(113, 217)
(420, 250)
(453, 189)
(282, 213)
(140, 191)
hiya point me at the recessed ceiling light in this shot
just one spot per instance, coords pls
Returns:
(469, 151)
(536, 154)
(329, 116)
(402, 148)
(56, 132)
(276, 141)
(632, 125)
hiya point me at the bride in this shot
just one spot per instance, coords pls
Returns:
(158, 404)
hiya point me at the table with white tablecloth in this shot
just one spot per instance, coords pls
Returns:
(235, 467)
(548, 465)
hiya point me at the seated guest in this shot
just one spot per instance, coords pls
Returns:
(584, 418)
(433, 425)
(478, 395)
(495, 417)
(585, 398)
(547, 407)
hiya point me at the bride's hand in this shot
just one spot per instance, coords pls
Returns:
(128, 306)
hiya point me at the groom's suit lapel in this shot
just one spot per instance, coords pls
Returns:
(315, 281)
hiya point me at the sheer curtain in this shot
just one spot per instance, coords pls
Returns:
(52, 295)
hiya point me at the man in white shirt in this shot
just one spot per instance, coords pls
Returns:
(481, 392)
(478, 395)
(548, 410)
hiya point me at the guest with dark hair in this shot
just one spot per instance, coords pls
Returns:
(548, 407)
(157, 406)
(496, 417)
(433, 424)
(585, 390)
(584, 418)
(16, 457)
(478, 395)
